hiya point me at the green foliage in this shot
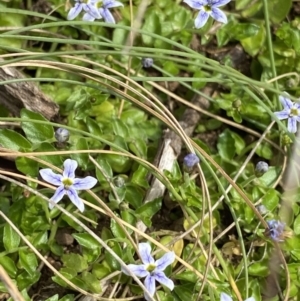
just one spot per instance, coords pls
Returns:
(117, 112)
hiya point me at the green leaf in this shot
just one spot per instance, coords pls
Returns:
(184, 292)
(271, 199)
(86, 240)
(100, 270)
(139, 177)
(9, 266)
(11, 239)
(105, 173)
(81, 158)
(134, 195)
(297, 225)
(13, 140)
(242, 31)
(27, 166)
(147, 210)
(264, 150)
(54, 159)
(68, 297)
(28, 261)
(259, 269)
(226, 145)
(278, 10)
(253, 44)
(75, 261)
(36, 132)
(92, 282)
(116, 229)
(151, 25)
(53, 298)
(26, 280)
(120, 128)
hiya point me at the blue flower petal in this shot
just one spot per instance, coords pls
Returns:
(69, 168)
(85, 183)
(111, 3)
(145, 253)
(107, 15)
(218, 3)
(218, 15)
(150, 286)
(138, 270)
(282, 114)
(201, 19)
(75, 11)
(164, 280)
(225, 297)
(88, 17)
(292, 125)
(49, 176)
(58, 195)
(196, 4)
(286, 102)
(72, 194)
(164, 261)
(92, 10)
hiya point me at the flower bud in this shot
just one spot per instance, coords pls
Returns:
(119, 181)
(189, 161)
(62, 135)
(262, 209)
(147, 62)
(261, 168)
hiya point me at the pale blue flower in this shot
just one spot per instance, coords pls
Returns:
(103, 10)
(276, 229)
(151, 269)
(291, 112)
(207, 8)
(190, 160)
(225, 297)
(67, 183)
(88, 6)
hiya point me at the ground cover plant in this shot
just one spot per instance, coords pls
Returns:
(149, 150)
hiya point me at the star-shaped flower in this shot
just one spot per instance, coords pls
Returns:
(291, 112)
(151, 269)
(207, 8)
(67, 183)
(225, 297)
(103, 10)
(88, 6)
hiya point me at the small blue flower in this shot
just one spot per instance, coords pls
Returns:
(67, 183)
(225, 297)
(103, 11)
(291, 112)
(276, 229)
(88, 6)
(207, 8)
(190, 160)
(151, 269)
